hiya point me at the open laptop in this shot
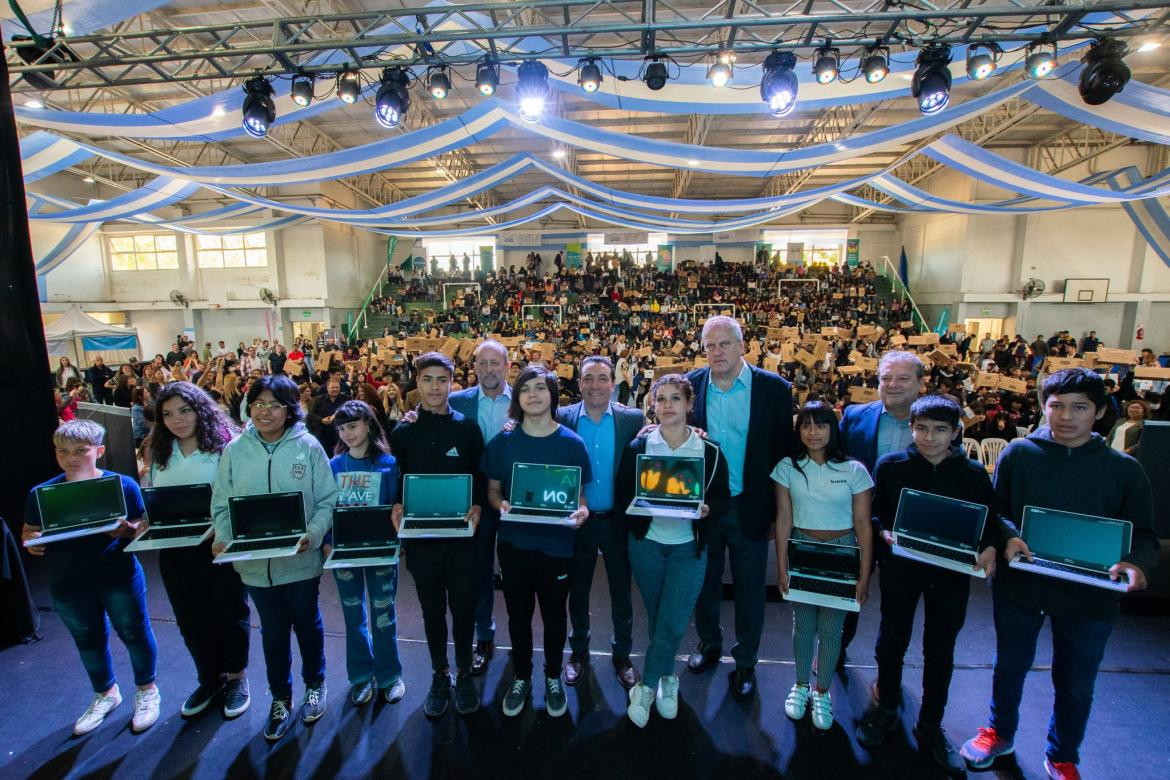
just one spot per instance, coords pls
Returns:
(362, 536)
(83, 508)
(668, 486)
(824, 574)
(265, 525)
(1075, 547)
(434, 506)
(179, 515)
(544, 494)
(939, 531)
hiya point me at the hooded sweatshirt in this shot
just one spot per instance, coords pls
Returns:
(249, 466)
(1092, 479)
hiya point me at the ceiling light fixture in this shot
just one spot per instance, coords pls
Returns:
(259, 109)
(532, 89)
(302, 91)
(487, 78)
(589, 75)
(981, 60)
(1104, 74)
(876, 64)
(393, 98)
(1040, 60)
(438, 83)
(349, 86)
(779, 84)
(932, 79)
(827, 64)
(655, 75)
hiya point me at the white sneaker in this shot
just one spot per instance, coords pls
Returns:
(796, 705)
(822, 710)
(146, 704)
(96, 712)
(667, 699)
(641, 697)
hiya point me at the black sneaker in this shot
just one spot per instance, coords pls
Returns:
(236, 698)
(466, 697)
(361, 693)
(279, 719)
(199, 700)
(313, 707)
(933, 740)
(516, 697)
(438, 696)
(875, 725)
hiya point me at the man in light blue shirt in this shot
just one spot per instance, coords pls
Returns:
(727, 422)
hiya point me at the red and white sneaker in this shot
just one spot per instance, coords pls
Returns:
(981, 751)
(1061, 770)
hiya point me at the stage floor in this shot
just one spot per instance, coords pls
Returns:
(714, 735)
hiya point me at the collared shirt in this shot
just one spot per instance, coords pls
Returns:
(492, 413)
(601, 442)
(893, 435)
(727, 423)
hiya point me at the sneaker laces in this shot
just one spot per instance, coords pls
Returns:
(518, 687)
(143, 700)
(554, 685)
(669, 686)
(985, 738)
(313, 697)
(279, 710)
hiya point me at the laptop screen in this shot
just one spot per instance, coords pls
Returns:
(267, 514)
(436, 495)
(939, 519)
(64, 505)
(1075, 539)
(178, 504)
(670, 477)
(818, 559)
(362, 526)
(538, 486)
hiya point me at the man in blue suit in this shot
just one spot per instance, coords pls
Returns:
(748, 411)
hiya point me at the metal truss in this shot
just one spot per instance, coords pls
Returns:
(237, 49)
(556, 107)
(834, 124)
(698, 125)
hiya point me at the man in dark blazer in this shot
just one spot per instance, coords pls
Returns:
(606, 428)
(748, 411)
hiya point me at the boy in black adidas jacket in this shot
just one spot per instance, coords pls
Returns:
(934, 463)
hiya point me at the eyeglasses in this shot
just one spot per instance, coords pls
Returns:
(267, 406)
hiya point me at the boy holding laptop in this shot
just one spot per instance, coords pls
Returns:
(1062, 466)
(91, 578)
(934, 464)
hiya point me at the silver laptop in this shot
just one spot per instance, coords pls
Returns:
(1075, 547)
(83, 508)
(266, 525)
(435, 506)
(362, 536)
(179, 515)
(939, 531)
(545, 494)
(823, 574)
(668, 486)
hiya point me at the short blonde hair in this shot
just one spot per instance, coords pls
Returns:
(79, 432)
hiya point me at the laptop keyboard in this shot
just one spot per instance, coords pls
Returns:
(539, 512)
(349, 555)
(435, 523)
(936, 550)
(177, 532)
(262, 544)
(825, 587)
(654, 503)
(1043, 564)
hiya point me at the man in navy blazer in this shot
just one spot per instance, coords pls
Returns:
(748, 411)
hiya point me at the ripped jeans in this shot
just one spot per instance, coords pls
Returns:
(366, 659)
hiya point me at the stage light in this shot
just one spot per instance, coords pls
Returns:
(876, 64)
(559, 154)
(718, 74)
(438, 83)
(981, 60)
(259, 110)
(779, 85)
(589, 75)
(532, 89)
(487, 78)
(932, 79)
(1149, 46)
(349, 86)
(725, 56)
(1104, 74)
(655, 75)
(393, 98)
(34, 103)
(302, 91)
(827, 64)
(1039, 62)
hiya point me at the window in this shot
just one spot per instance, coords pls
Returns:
(598, 246)
(443, 250)
(151, 252)
(821, 247)
(249, 250)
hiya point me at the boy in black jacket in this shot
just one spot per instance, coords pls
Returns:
(934, 463)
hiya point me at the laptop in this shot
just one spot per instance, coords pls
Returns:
(1075, 547)
(668, 486)
(73, 509)
(434, 506)
(362, 536)
(823, 574)
(180, 516)
(265, 525)
(939, 531)
(544, 494)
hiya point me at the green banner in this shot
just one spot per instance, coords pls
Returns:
(853, 252)
(664, 260)
(763, 253)
(487, 259)
(573, 255)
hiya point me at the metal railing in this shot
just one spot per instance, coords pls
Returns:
(887, 269)
(354, 323)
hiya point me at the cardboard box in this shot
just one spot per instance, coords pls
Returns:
(565, 370)
(866, 331)
(866, 363)
(772, 363)
(700, 361)
(820, 349)
(1124, 357)
(449, 347)
(863, 395)
(787, 352)
(906, 325)
(898, 340)
(1151, 372)
(850, 370)
(806, 359)
(294, 368)
(1059, 363)
(1011, 385)
(939, 357)
(923, 340)
(983, 379)
(645, 352)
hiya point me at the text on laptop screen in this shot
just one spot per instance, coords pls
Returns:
(436, 495)
(1078, 540)
(670, 477)
(938, 519)
(824, 560)
(177, 505)
(66, 504)
(537, 486)
(362, 526)
(276, 514)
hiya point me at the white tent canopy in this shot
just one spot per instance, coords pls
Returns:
(81, 338)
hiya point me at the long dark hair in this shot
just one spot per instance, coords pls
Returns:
(531, 372)
(353, 411)
(213, 429)
(817, 413)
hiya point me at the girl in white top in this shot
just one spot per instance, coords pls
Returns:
(823, 496)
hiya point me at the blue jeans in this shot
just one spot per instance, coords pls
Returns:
(85, 615)
(366, 660)
(669, 577)
(285, 608)
(1077, 649)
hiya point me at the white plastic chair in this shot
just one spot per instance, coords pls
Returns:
(1021, 432)
(971, 447)
(989, 451)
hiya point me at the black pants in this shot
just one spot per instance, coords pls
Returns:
(485, 574)
(284, 609)
(945, 596)
(601, 532)
(444, 576)
(211, 608)
(531, 576)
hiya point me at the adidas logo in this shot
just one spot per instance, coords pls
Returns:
(452, 453)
